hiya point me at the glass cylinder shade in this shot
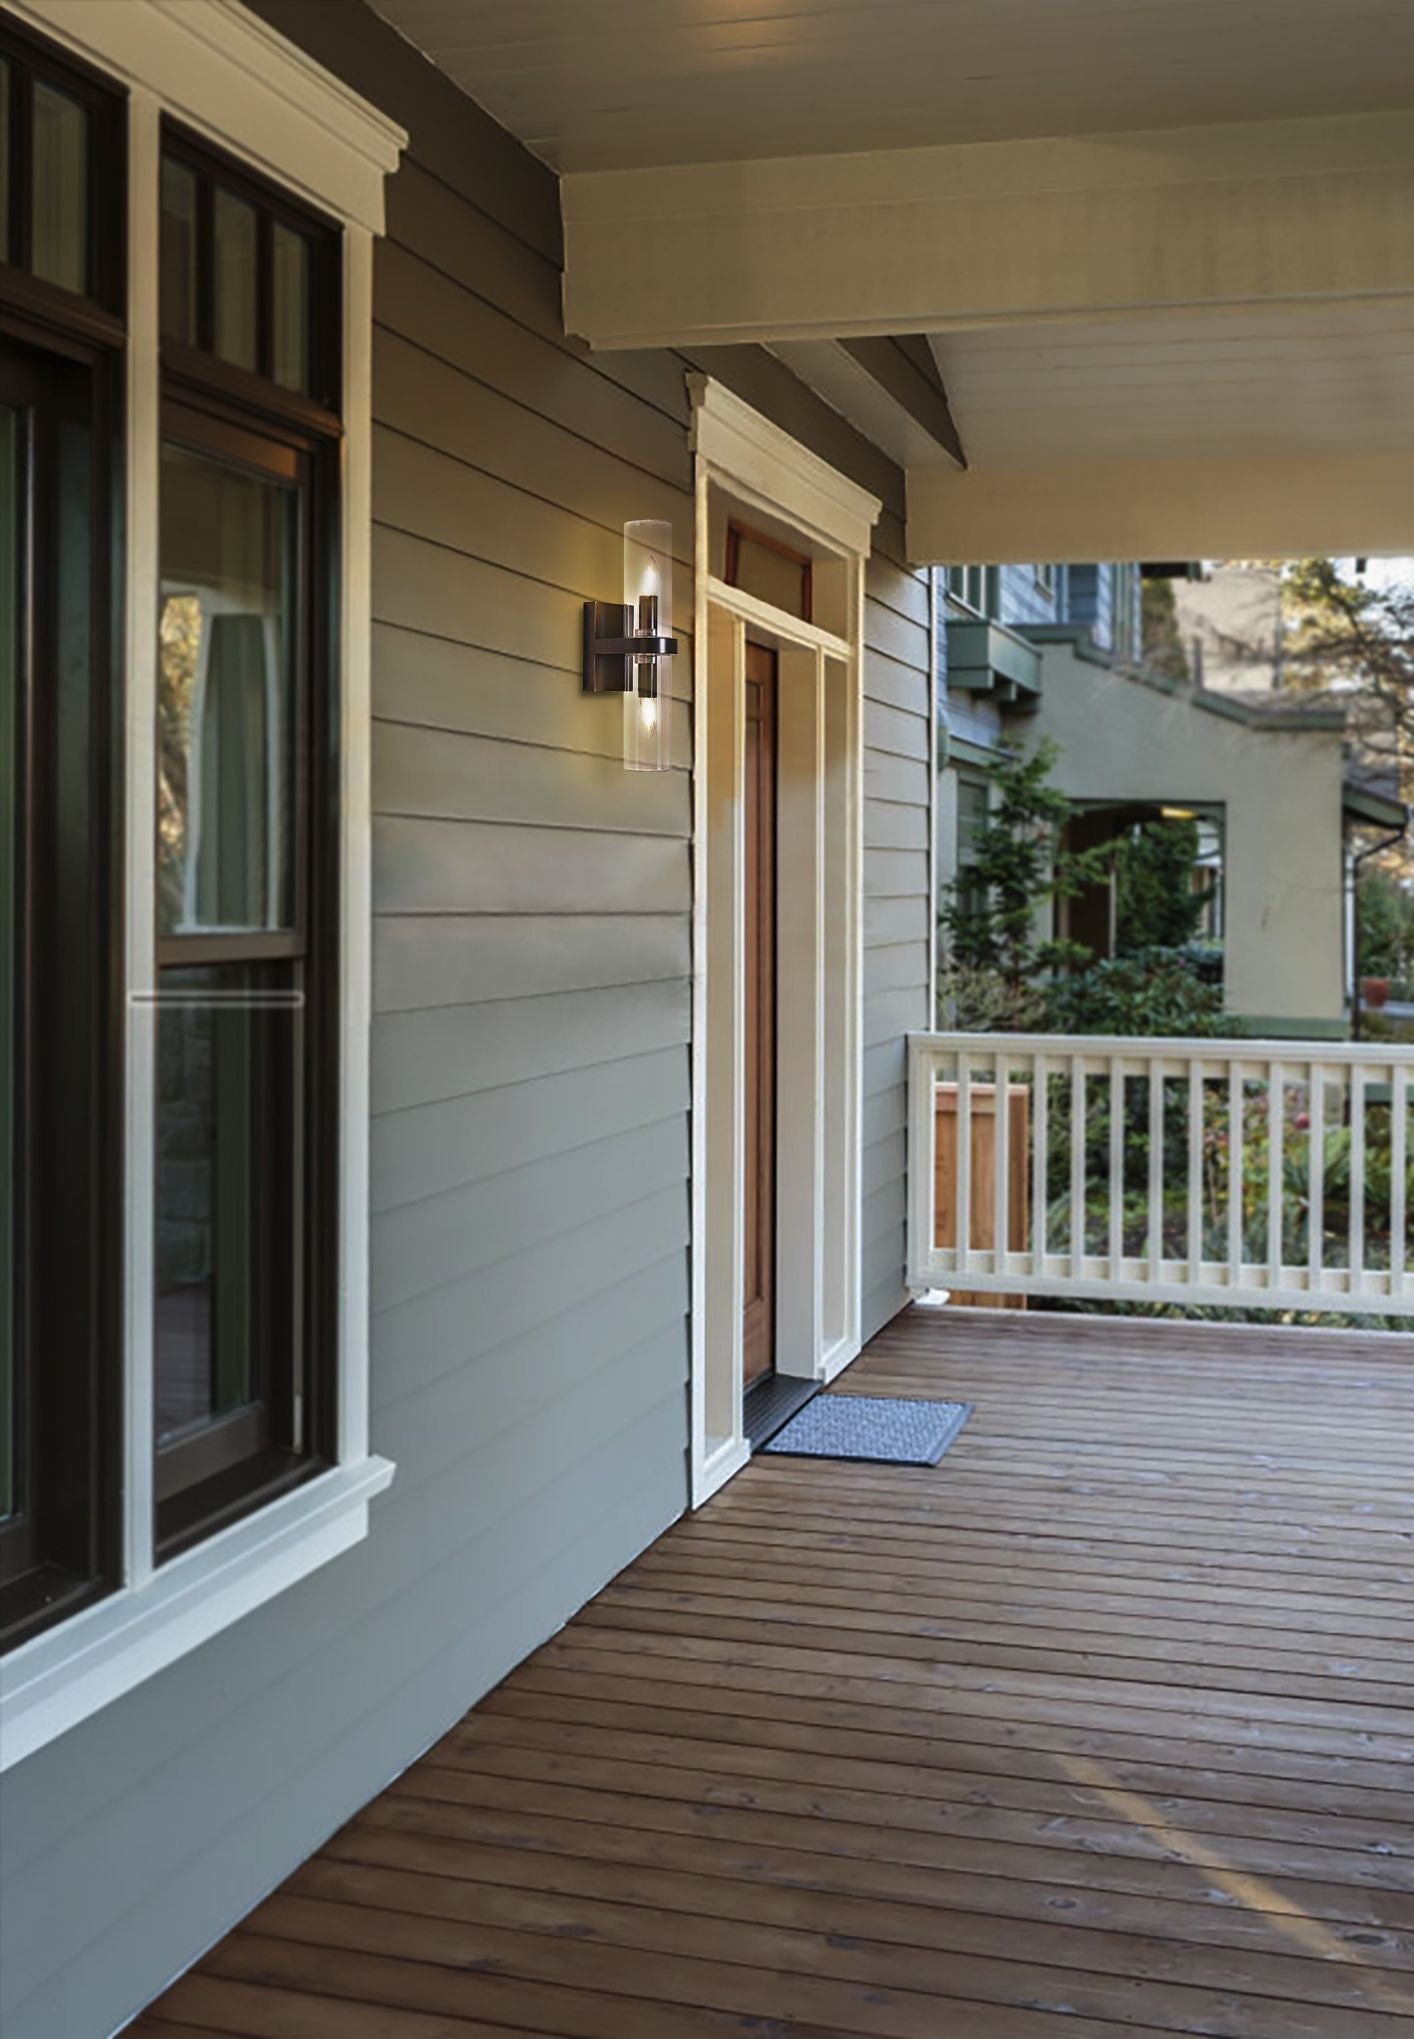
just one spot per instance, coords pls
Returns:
(648, 599)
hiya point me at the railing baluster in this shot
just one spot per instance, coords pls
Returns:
(1316, 1177)
(1195, 1172)
(1357, 1177)
(1077, 1168)
(1398, 1164)
(1234, 1175)
(1001, 1173)
(1116, 1211)
(1041, 1159)
(1276, 1132)
(963, 1200)
(1156, 1171)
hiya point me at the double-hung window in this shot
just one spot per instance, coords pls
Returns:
(61, 337)
(185, 341)
(246, 889)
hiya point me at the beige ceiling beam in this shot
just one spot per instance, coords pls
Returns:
(923, 240)
(1242, 504)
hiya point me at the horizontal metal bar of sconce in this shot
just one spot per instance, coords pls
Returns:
(609, 643)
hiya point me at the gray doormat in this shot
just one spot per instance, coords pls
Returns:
(882, 1429)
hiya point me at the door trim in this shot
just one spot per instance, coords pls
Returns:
(819, 919)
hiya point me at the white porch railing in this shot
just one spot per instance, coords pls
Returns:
(1252, 1173)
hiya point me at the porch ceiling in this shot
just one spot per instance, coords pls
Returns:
(1162, 251)
(629, 84)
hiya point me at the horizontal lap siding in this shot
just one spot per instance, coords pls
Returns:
(530, 1078)
(898, 786)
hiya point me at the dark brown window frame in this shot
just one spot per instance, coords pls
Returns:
(319, 410)
(63, 1550)
(240, 1462)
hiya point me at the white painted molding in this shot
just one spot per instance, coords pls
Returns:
(741, 445)
(918, 240)
(743, 460)
(49, 1685)
(217, 66)
(356, 846)
(1241, 504)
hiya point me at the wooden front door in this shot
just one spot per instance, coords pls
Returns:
(759, 1317)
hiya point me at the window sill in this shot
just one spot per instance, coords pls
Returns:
(49, 1685)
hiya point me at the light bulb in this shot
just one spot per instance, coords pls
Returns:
(648, 716)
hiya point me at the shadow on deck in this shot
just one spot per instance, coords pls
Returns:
(1102, 1726)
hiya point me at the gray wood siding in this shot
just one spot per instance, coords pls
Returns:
(531, 1065)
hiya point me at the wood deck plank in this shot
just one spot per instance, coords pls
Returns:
(1102, 1727)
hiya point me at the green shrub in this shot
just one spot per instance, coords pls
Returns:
(1155, 991)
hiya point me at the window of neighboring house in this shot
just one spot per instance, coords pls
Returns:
(184, 978)
(973, 807)
(972, 586)
(246, 870)
(61, 162)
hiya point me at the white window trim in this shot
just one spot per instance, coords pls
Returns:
(754, 463)
(221, 71)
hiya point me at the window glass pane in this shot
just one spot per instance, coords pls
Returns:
(234, 265)
(290, 347)
(59, 252)
(178, 253)
(5, 77)
(226, 727)
(11, 807)
(224, 1282)
(972, 807)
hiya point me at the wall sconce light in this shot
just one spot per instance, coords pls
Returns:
(629, 645)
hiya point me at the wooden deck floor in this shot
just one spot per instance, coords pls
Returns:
(1104, 1726)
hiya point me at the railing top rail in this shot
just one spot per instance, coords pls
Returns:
(1181, 1047)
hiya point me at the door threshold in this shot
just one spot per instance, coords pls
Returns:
(769, 1403)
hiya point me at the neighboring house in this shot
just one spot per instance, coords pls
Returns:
(1230, 622)
(1032, 654)
(422, 1137)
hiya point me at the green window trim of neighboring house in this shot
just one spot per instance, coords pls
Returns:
(972, 808)
(973, 586)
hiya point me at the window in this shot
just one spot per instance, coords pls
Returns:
(973, 807)
(61, 143)
(246, 876)
(184, 942)
(248, 281)
(770, 569)
(971, 585)
(60, 1021)
(1045, 575)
